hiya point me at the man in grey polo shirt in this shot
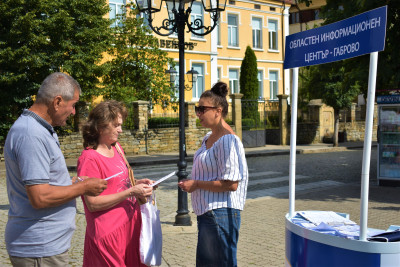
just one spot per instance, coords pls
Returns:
(41, 218)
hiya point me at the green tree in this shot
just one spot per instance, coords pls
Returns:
(249, 86)
(335, 86)
(388, 59)
(38, 37)
(136, 69)
(351, 75)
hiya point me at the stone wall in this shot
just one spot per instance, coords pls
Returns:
(134, 141)
(308, 133)
(355, 131)
(151, 141)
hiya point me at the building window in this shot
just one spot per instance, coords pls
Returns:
(273, 85)
(260, 84)
(234, 81)
(171, 16)
(176, 83)
(198, 86)
(197, 13)
(219, 74)
(145, 17)
(316, 14)
(273, 34)
(304, 16)
(219, 32)
(116, 9)
(233, 38)
(294, 17)
(256, 23)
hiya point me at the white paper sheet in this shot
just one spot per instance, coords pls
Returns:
(164, 178)
(328, 217)
(112, 176)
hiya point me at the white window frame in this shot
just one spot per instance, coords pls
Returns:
(273, 35)
(273, 89)
(260, 78)
(219, 32)
(201, 76)
(119, 9)
(255, 30)
(170, 14)
(144, 16)
(233, 28)
(176, 83)
(194, 16)
(234, 83)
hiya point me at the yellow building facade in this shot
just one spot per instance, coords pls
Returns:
(303, 17)
(262, 25)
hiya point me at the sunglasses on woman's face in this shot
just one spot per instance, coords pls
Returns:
(202, 109)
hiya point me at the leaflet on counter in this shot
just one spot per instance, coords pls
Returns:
(328, 217)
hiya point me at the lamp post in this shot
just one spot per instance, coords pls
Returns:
(178, 18)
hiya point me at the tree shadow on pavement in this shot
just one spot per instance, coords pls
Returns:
(4, 207)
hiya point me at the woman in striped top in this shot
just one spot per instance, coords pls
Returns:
(219, 182)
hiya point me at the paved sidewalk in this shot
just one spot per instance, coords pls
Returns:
(262, 234)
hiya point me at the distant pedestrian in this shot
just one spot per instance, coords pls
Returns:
(41, 218)
(113, 218)
(219, 182)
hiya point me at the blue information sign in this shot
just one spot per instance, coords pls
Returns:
(388, 99)
(355, 36)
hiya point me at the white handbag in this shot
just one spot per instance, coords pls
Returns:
(150, 234)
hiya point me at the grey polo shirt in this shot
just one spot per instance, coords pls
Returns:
(33, 156)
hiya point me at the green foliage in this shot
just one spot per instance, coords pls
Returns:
(272, 121)
(248, 75)
(355, 71)
(248, 123)
(332, 83)
(38, 37)
(136, 70)
(229, 121)
(388, 60)
(163, 122)
(249, 84)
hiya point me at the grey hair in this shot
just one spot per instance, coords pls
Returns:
(55, 84)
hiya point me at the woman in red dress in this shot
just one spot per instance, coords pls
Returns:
(113, 218)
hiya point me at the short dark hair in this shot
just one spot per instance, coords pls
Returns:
(99, 118)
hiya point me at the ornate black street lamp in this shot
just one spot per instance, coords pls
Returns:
(178, 18)
(192, 76)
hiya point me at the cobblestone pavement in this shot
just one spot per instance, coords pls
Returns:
(262, 234)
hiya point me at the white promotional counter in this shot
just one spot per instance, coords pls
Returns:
(306, 247)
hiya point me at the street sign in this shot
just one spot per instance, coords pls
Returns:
(388, 99)
(355, 36)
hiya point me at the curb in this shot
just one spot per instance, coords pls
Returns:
(134, 161)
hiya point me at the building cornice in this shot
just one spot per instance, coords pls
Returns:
(258, 60)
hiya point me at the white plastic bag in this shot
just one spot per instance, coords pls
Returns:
(150, 234)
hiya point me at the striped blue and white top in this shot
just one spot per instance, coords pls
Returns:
(225, 160)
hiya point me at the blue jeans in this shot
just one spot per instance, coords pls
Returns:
(218, 237)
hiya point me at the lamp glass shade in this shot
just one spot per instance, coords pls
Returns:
(151, 6)
(214, 5)
(172, 74)
(192, 75)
